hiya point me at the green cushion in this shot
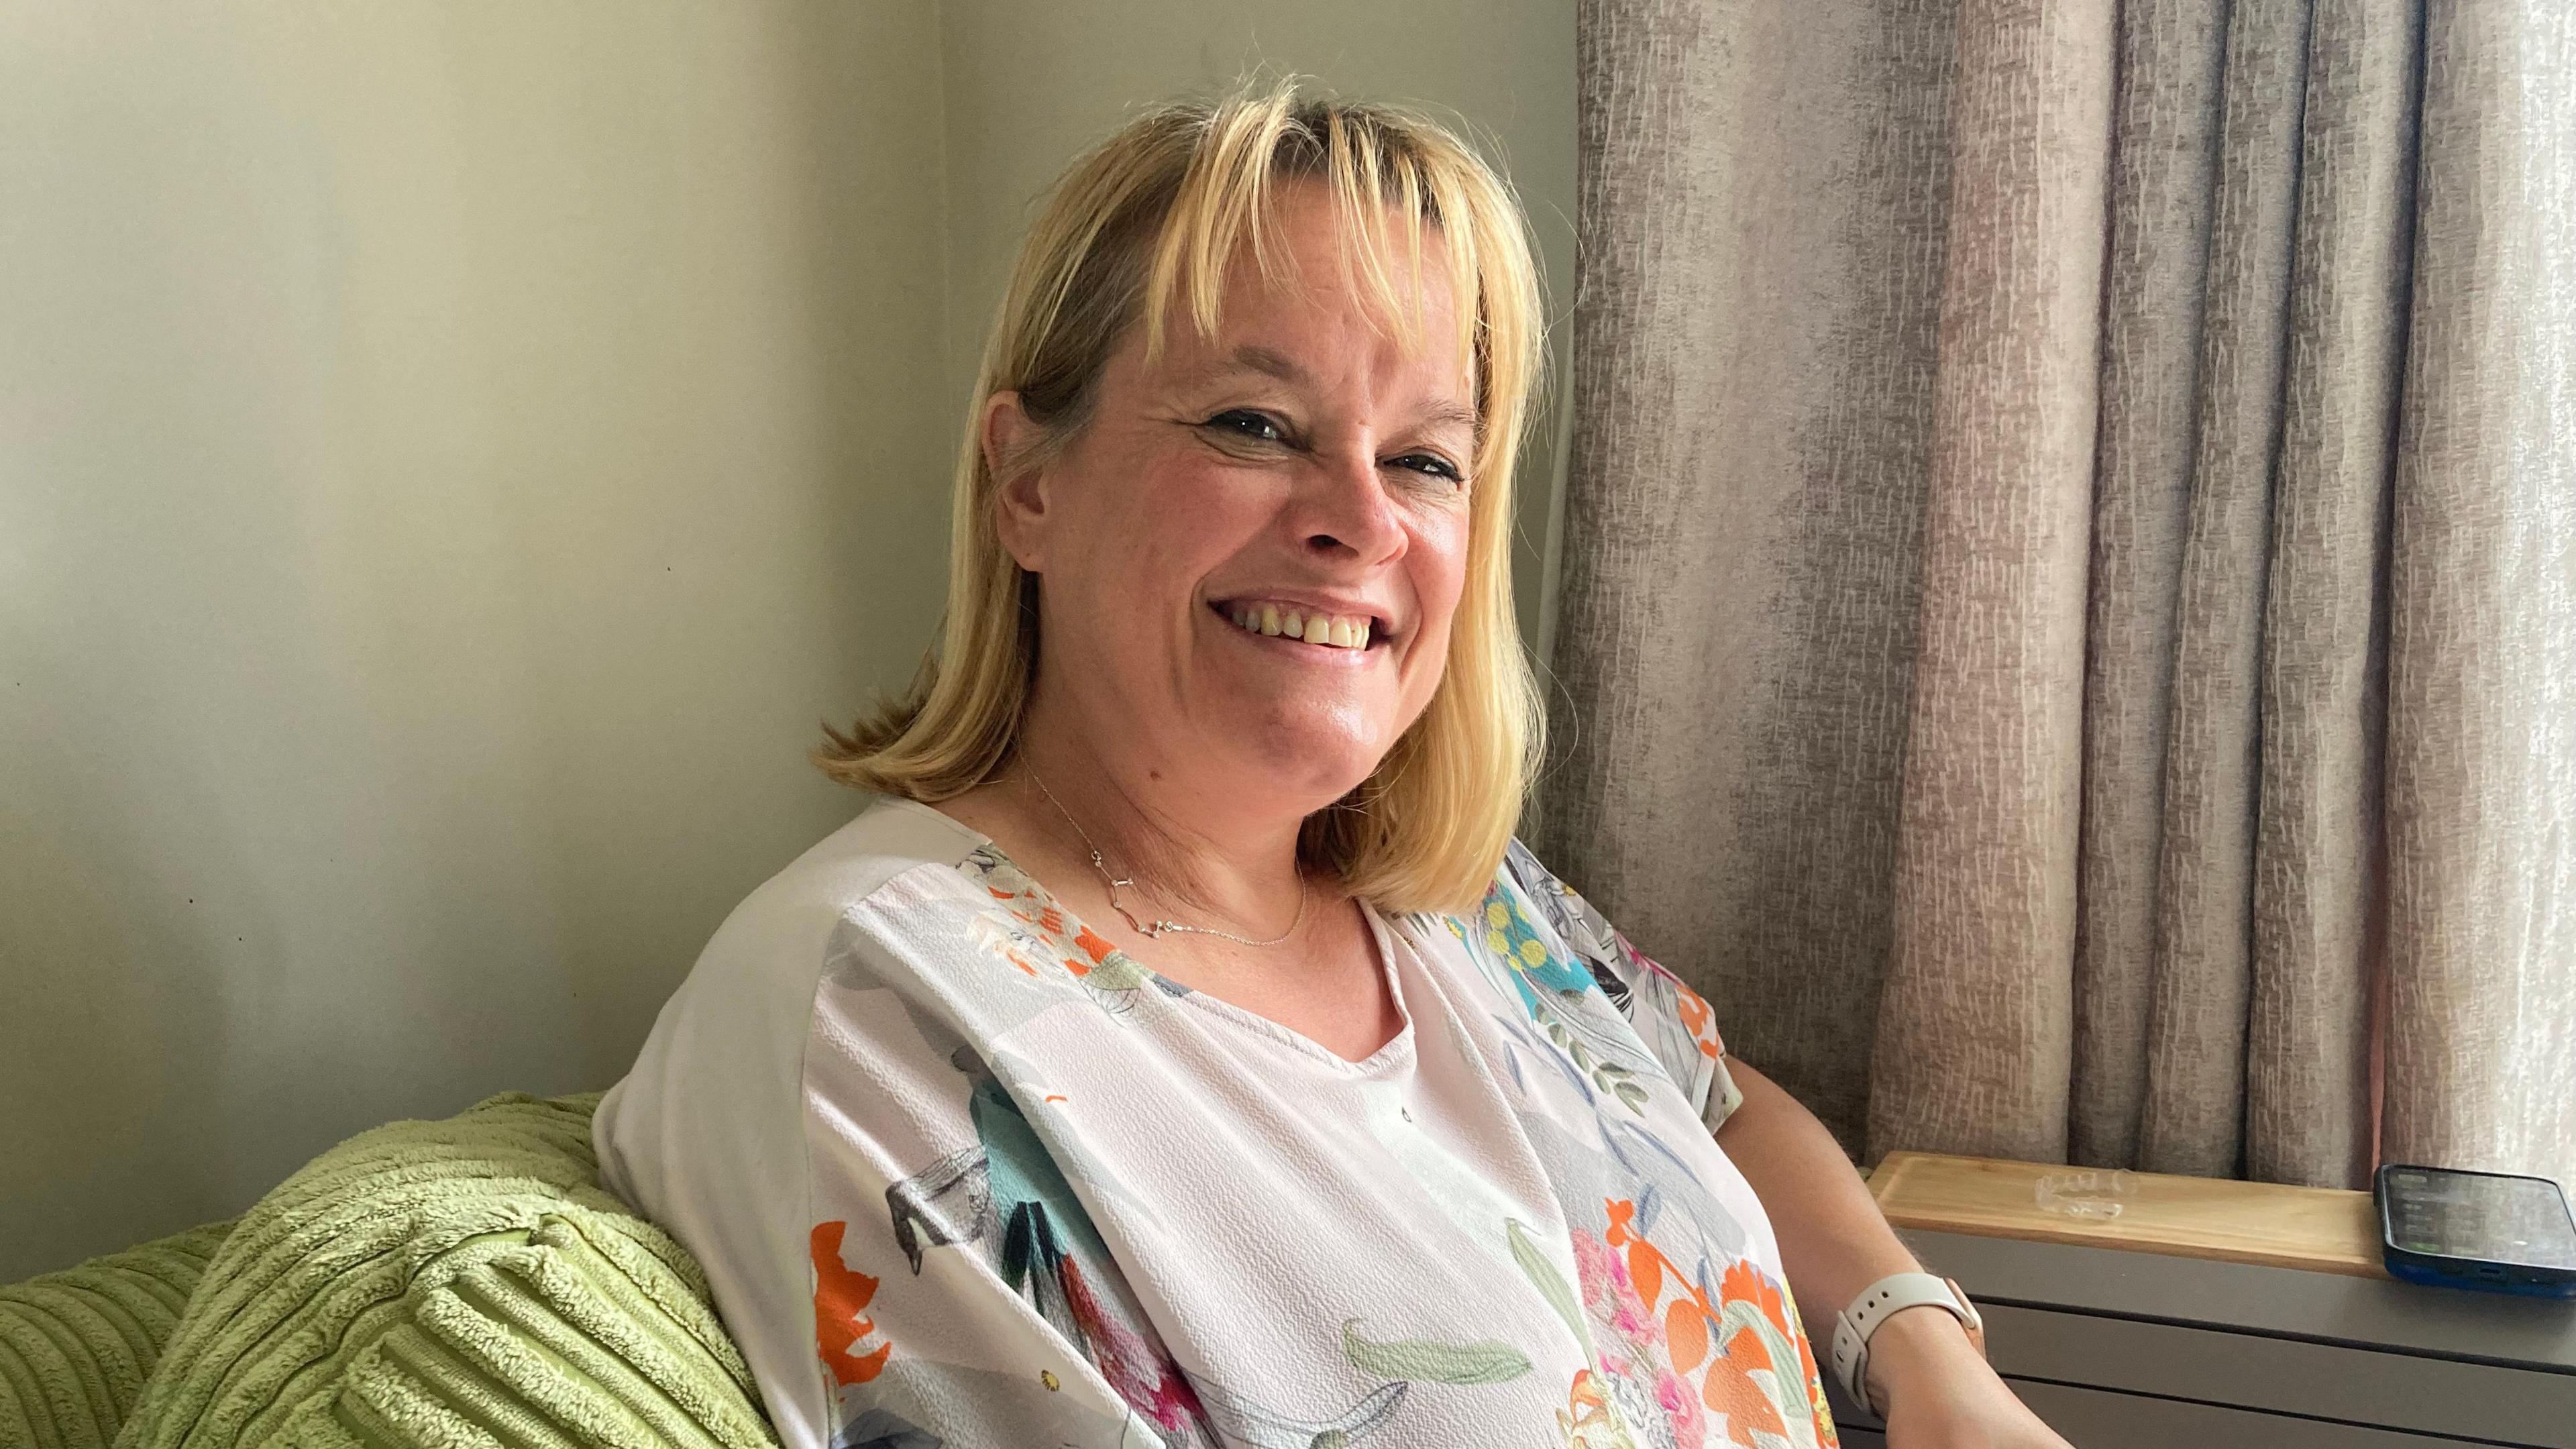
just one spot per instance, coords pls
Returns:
(76, 1346)
(455, 1283)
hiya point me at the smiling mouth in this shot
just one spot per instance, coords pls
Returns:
(1354, 632)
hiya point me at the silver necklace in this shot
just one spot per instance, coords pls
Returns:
(1150, 929)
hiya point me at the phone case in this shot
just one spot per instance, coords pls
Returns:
(2477, 1274)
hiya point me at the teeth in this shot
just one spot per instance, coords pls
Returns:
(1319, 628)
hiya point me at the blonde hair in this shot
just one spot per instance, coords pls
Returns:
(1144, 226)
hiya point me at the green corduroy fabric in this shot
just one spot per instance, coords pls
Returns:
(76, 1346)
(440, 1285)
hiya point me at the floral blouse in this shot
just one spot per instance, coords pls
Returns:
(962, 1173)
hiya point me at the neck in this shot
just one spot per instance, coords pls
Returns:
(1233, 866)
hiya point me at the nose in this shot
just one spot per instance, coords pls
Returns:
(1348, 515)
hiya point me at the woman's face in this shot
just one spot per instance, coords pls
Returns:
(1249, 557)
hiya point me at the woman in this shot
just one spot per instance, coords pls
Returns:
(1183, 1052)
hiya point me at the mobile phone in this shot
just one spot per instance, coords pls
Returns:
(2491, 1231)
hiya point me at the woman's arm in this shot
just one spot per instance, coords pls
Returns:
(1834, 1243)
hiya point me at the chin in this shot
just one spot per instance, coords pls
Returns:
(1315, 757)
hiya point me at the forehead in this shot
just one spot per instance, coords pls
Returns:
(1310, 291)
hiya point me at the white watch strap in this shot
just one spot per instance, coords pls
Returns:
(1880, 1300)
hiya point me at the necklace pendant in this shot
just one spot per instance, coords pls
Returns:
(1157, 928)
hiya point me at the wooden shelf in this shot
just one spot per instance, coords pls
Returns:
(2322, 1229)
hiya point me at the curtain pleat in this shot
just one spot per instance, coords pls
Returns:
(2163, 181)
(2324, 697)
(1975, 1026)
(2189, 1118)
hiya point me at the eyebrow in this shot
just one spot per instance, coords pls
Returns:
(1270, 362)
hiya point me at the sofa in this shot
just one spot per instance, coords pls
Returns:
(447, 1284)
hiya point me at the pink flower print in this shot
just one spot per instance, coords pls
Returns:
(1591, 1263)
(1627, 1314)
(1609, 1291)
(1144, 1377)
(1681, 1410)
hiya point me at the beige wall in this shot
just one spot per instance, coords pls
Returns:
(450, 457)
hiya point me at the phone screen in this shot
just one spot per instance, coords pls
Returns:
(2478, 1215)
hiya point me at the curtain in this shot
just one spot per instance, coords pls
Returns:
(2067, 621)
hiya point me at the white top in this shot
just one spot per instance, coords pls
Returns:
(961, 1173)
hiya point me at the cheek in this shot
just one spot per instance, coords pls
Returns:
(1151, 534)
(1181, 519)
(1439, 577)
(1439, 556)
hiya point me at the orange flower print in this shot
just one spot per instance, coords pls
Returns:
(1756, 1375)
(840, 1295)
(1032, 932)
(1095, 948)
(1731, 1391)
(1627, 1337)
(1747, 1283)
(1691, 1006)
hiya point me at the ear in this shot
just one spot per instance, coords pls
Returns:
(1008, 435)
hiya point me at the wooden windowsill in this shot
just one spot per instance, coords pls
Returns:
(2322, 1229)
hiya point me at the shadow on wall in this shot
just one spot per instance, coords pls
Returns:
(113, 1128)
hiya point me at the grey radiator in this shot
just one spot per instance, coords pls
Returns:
(2123, 1350)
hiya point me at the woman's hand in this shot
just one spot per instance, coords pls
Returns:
(1941, 1394)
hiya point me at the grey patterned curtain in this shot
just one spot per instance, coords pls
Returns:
(2068, 616)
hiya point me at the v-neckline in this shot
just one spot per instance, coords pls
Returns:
(1391, 1058)
(1392, 1055)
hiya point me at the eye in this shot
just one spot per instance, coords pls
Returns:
(1431, 465)
(1245, 423)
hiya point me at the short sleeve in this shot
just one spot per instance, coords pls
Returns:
(820, 1117)
(1674, 1021)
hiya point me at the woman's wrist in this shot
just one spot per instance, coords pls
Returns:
(1916, 1351)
